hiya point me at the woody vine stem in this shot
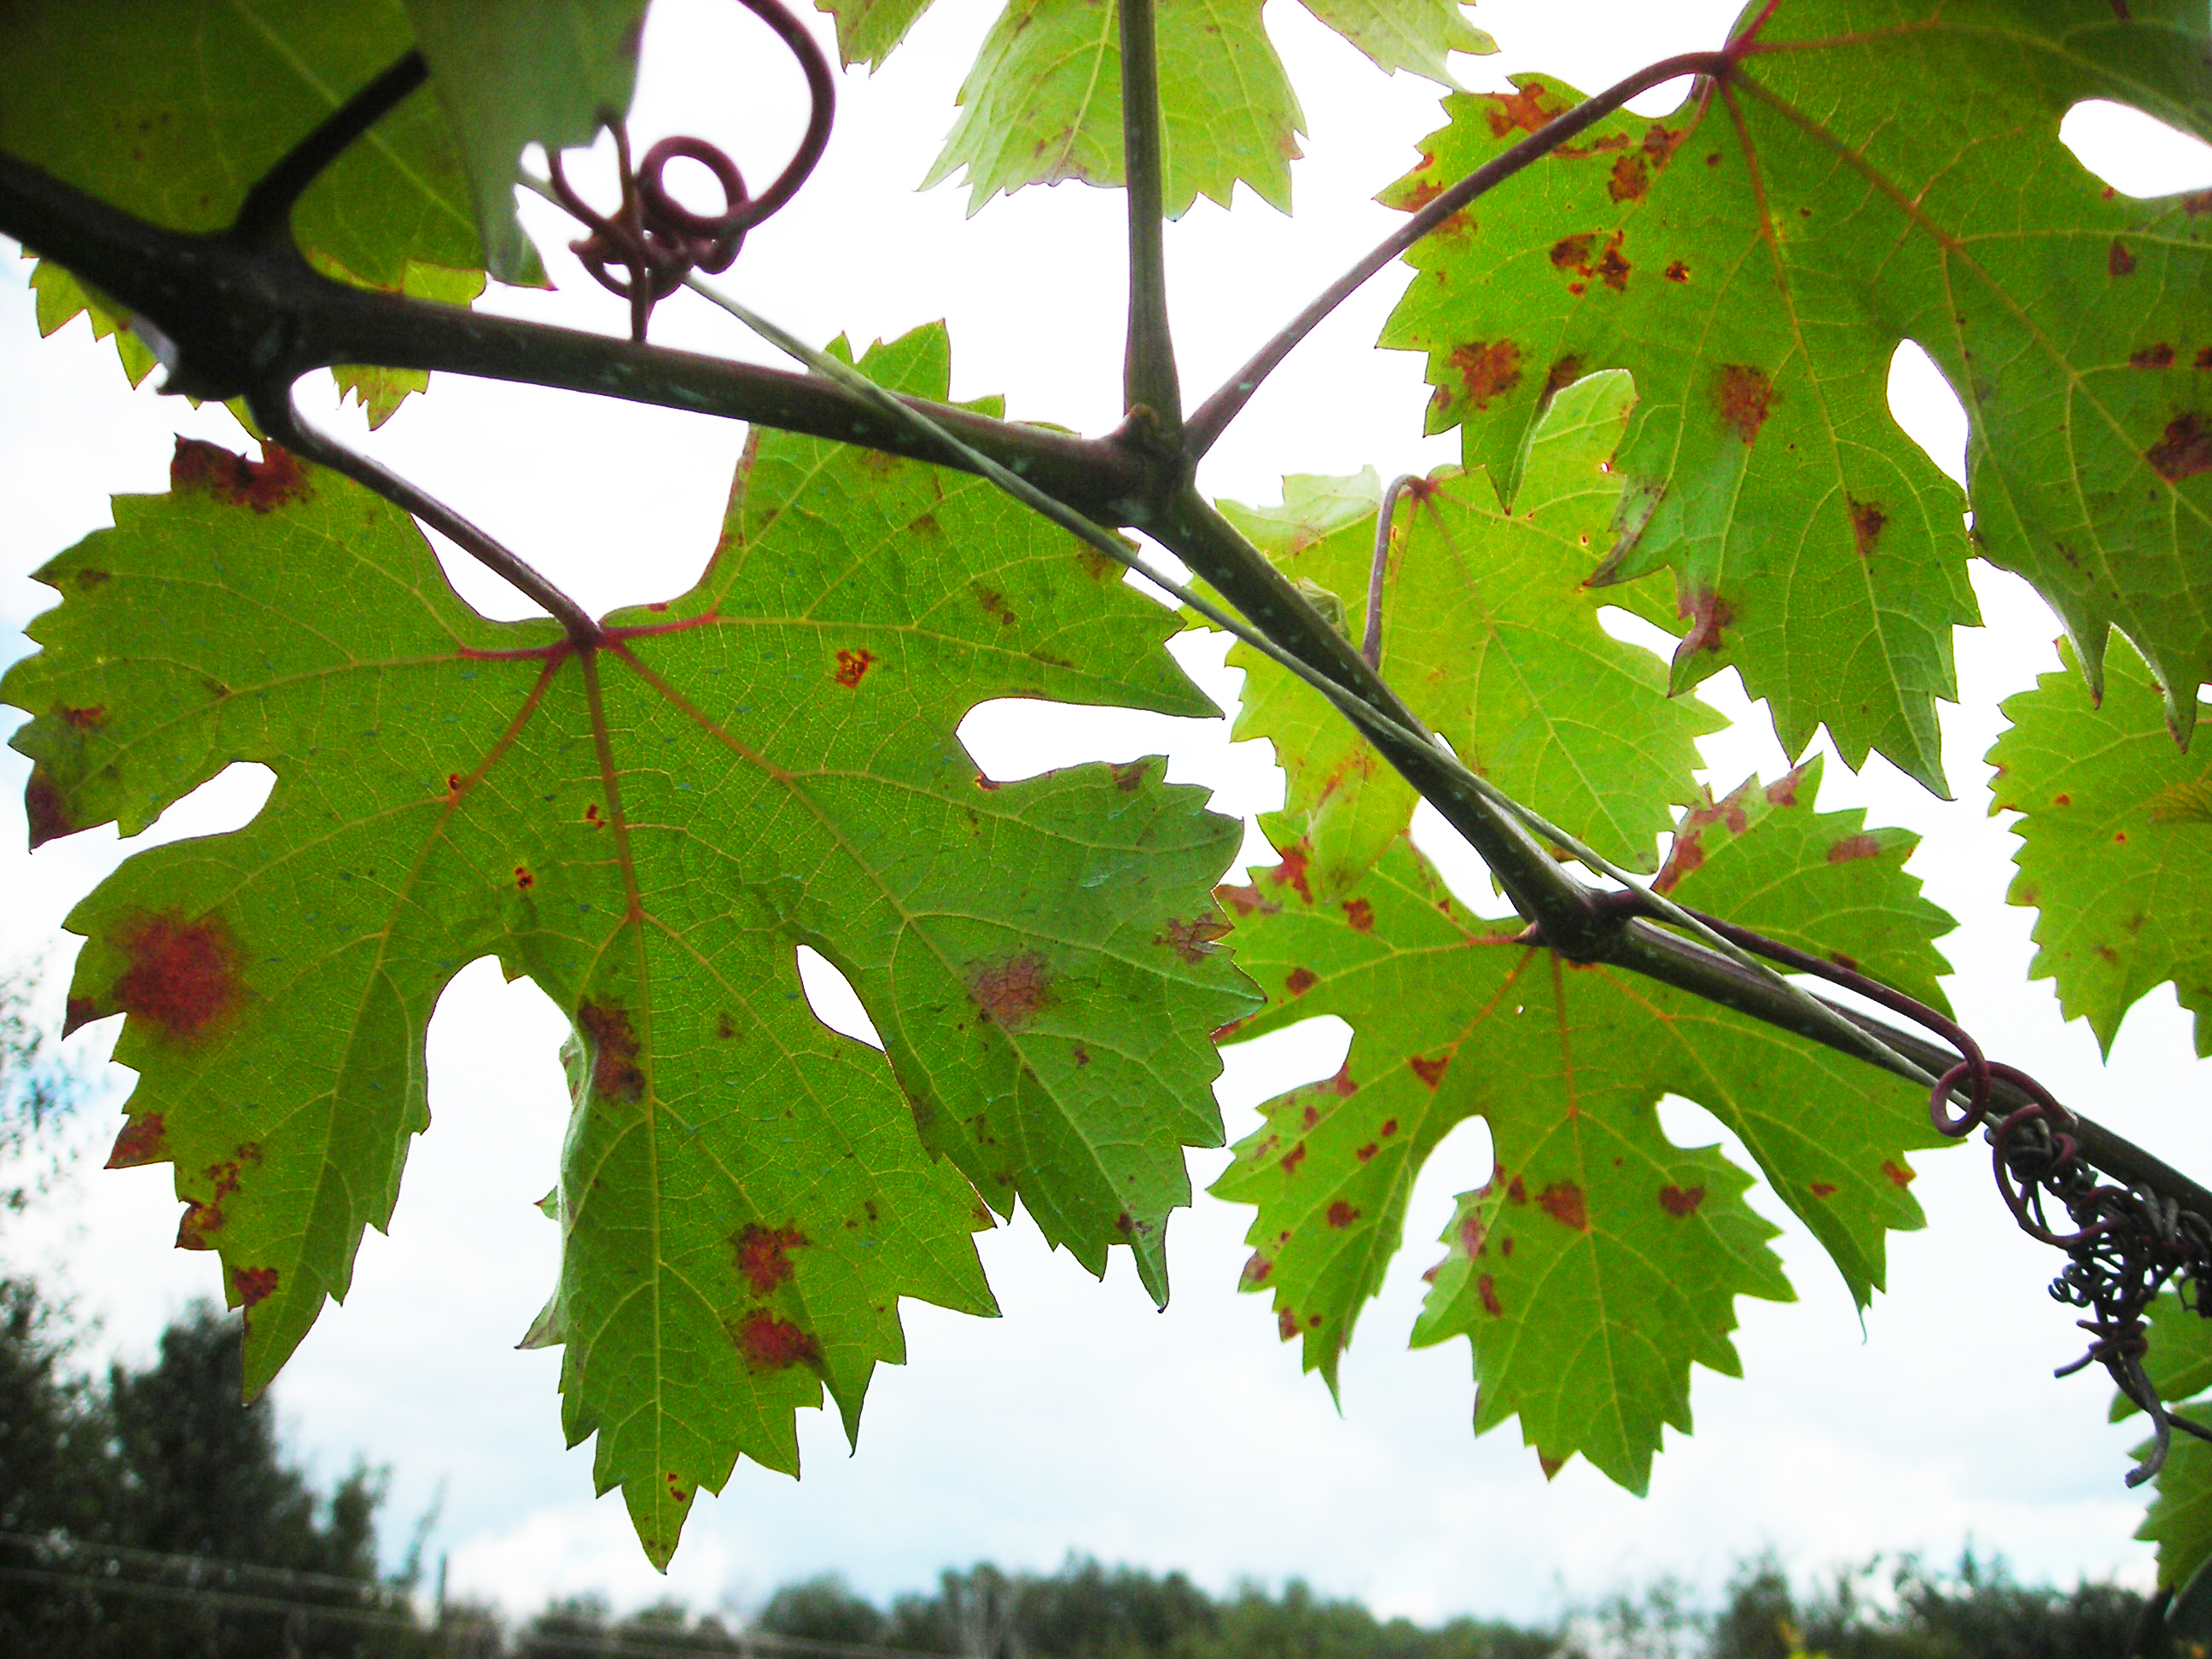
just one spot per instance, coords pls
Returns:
(241, 314)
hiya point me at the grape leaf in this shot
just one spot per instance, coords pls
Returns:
(869, 31)
(1043, 103)
(1599, 1260)
(647, 829)
(2179, 1518)
(1756, 256)
(1406, 34)
(516, 72)
(172, 110)
(2115, 827)
(1490, 638)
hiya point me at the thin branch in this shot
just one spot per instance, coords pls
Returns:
(1370, 646)
(1148, 367)
(279, 417)
(1212, 417)
(266, 213)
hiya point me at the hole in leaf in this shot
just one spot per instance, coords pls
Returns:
(833, 999)
(1922, 403)
(2134, 153)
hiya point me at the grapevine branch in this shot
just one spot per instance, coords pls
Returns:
(241, 313)
(1151, 392)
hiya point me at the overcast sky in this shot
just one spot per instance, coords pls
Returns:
(1082, 1420)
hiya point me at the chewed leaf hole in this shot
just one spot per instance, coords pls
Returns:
(2134, 153)
(833, 999)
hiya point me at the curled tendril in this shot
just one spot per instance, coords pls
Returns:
(652, 241)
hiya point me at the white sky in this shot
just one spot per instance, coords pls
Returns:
(1082, 1420)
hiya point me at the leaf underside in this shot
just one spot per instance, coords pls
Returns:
(1491, 640)
(1599, 1261)
(2115, 828)
(648, 829)
(1875, 171)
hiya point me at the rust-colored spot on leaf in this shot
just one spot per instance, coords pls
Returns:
(993, 603)
(1486, 369)
(89, 578)
(1866, 521)
(1431, 1071)
(1561, 375)
(143, 1140)
(1129, 777)
(1563, 1201)
(1291, 1159)
(1286, 1323)
(774, 1344)
(523, 879)
(2118, 261)
(183, 975)
(1246, 901)
(254, 1285)
(852, 667)
(1678, 272)
(1629, 180)
(84, 720)
(1192, 940)
(615, 1074)
(2184, 451)
(1681, 1201)
(2203, 358)
(1390, 1127)
(1515, 1192)
(43, 810)
(263, 485)
(1849, 848)
(1473, 1234)
(1898, 1173)
(1783, 792)
(1255, 1272)
(1341, 1084)
(1299, 981)
(1366, 1152)
(1342, 1214)
(1745, 396)
(1709, 615)
(1823, 1190)
(200, 1218)
(1012, 993)
(1310, 1115)
(1487, 1291)
(2196, 203)
(2153, 357)
(1292, 871)
(1360, 914)
(1570, 253)
(760, 1256)
(1612, 269)
(1523, 108)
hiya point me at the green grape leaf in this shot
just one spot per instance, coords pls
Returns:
(1406, 34)
(60, 298)
(515, 72)
(1043, 103)
(2115, 831)
(648, 829)
(172, 110)
(1755, 258)
(1599, 1260)
(1811, 879)
(869, 31)
(2179, 1518)
(2179, 1359)
(1488, 634)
